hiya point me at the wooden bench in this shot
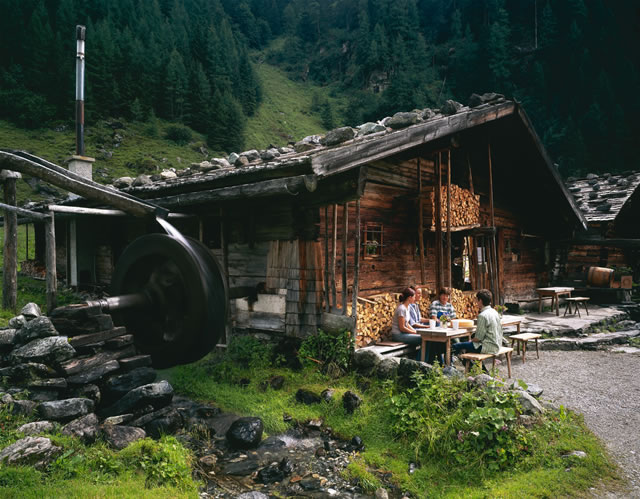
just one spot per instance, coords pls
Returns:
(480, 357)
(393, 349)
(522, 339)
(576, 301)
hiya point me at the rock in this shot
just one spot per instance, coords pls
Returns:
(23, 407)
(119, 385)
(17, 322)
(31, 311)
(122, 418)
(450, 107)
(575, 453)
(286, 150)
(272, 443)
(327, 395)
(338, 136)
(245, 433)
(604, 207)
(526, 421)
(402, 120)
(307, 397)
(123, 182)
(388, 368)
(7, 337)
(93, 374)
(285, 466)
(156, 394)
(89, 391)
(366, 360)
(168, 424)
(85, 428)
(65, 410)
(408, 367)
(40, 327)
(132, 363)
(51, 350)
(141, 180)
(351, 401)
(167, 174)
(37, 427)
(483, 380)
(233, 157)
(308, 143)
(357, 442)
(270, 474)
(251, 155)
(30, 451)
(381, 494)
(241, 468)
(208, 462)
(529, 404)
(451, 372)
(119, 436)
(43, 395)
(427, 113)
(310, 484)
(534, 390)
(369, 127)
(252, 495)
(476, 100)
(220, 163)
(51, 383)
(276, 382)
(242, 161)
(269, 154)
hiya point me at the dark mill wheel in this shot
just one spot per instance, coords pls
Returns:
(181, 298)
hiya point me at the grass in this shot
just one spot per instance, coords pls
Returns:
(543, 473)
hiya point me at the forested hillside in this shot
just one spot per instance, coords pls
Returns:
(574, 64)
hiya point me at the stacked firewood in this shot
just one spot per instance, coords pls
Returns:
(33, 268)
(374, 318)
(465, 207)
(465, 304)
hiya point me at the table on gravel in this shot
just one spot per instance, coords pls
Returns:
(443, 335)
(555, 293)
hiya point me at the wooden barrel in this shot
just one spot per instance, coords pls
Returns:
(600, 276)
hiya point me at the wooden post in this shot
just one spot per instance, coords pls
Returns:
(494, 278)
(334, 246)
(438, 215)
(421, 225)
(356, 273)
(200, 229)
(10, 268)
(345, 229)
(327, 303)
(26, 230)
(50, 257)
(449, 216)
(224, 245)
(470, 175)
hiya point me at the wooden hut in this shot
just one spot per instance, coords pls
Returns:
(467, 199)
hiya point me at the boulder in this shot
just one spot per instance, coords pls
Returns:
(23, 407)
(65, 410)
(428, 113)
(94, 373)
(350, 401)
(307, 397)
(122, 418)
(270, 474)
(22, 374)
(402, 120)
(241, 468)
(51, 350)
(39, 327)
(167, 174)
(286, 150)
(7, 337)
(155, 394)
(477, 100)
(388, 368)
(370, 127)
(167, 424)
(17, 322)
(528, 403)
(50, 383)
(408, 367)
(31, 311)
(245, 433)
(242, 161)
(37, 427)
(251, 155)
(269, 154)
(141, 180)
(233, 157)
(450, 107)
(218, 163)
(119, 385)
(308, 143)
(85, 428)
(381, 493)
(366, 360)
(534, 390)
(30, 451)
(451, 372)
(123, 182)
(119, 436)
(338, 136)
(327, 394)
(89, 391)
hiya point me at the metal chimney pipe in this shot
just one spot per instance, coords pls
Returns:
(80, 38)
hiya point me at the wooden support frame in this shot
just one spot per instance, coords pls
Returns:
(438, 215)
(334, 250)
(327, 299)
(421, 223)
(10, 257)
(493, 276)
(345, 234)
(50, 256)
(449, 250)
(356, 273)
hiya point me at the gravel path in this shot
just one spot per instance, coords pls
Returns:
(603, 386)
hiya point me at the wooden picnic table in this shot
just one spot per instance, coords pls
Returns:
(555, 293)
(446, 334)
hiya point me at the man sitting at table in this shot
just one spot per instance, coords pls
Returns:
(488, 335)
(442, 306)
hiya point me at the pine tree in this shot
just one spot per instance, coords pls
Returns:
(175, 88)
(499, 51)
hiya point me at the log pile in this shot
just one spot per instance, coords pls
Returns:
(374, 318)
(33, 268)
(465, 304)
(465, 207)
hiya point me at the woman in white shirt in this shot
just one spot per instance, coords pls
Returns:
(400, 328)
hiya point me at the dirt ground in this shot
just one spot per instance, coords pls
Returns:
(604, 387)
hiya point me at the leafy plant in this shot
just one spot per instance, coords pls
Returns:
(331, 351)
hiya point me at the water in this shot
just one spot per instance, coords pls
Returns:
(172, 231)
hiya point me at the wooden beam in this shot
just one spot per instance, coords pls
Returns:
(449, 217)
(60, 177)
(494, 274)
(50, 257)
(470, 175)
(335, 160)
(21, 211)
(326, 260)
(438, 215)
(345, 232)
(334, 250)
(356, 273)
(290, 186)
(421, 224)
(224, 246)
(10, 260)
